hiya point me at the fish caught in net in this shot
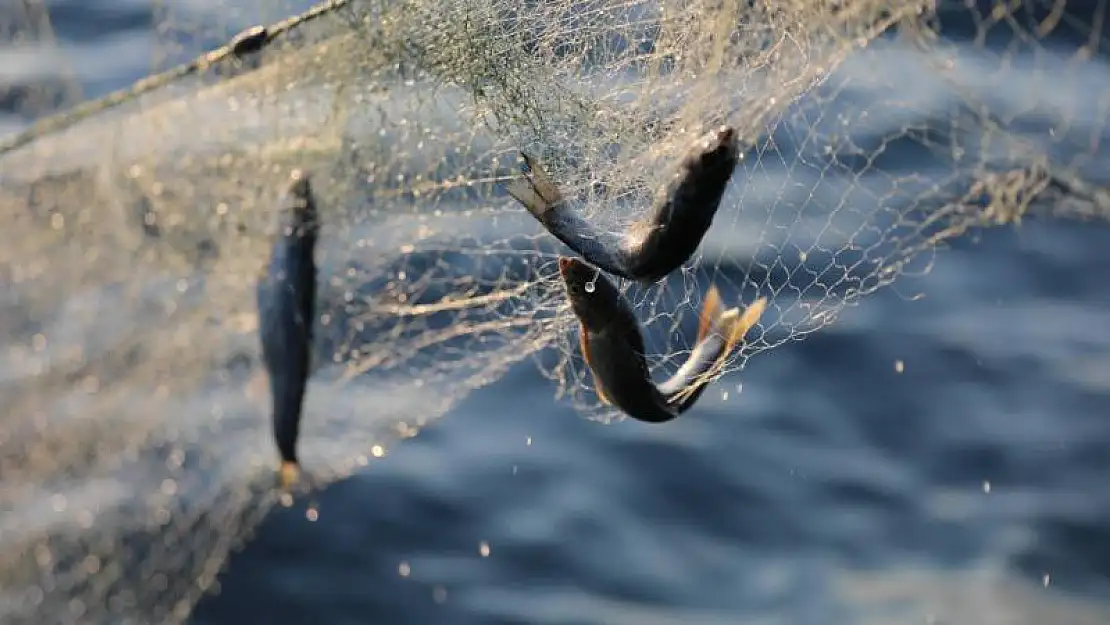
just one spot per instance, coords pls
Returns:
(135, 446)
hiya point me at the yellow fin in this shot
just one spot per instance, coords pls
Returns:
(288, 474)
(585, 345)
(710, 312)
(733, 325)
(737, 326)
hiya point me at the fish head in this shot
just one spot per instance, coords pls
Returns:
(595, 300)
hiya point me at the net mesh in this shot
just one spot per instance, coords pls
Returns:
(134, 446)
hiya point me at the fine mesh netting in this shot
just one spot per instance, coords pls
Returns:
(135, 448)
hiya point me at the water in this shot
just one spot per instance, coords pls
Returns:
(940, 460)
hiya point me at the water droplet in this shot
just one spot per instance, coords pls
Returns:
(590, 287)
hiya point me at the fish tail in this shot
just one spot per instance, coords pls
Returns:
(288, 372)
(547, 189)
(546, 203)
(734, 326)
(710, 314)
(727, 330)
(523, 192)
(288, 474)
(535, 190)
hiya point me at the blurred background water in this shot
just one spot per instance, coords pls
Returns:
(942, 460)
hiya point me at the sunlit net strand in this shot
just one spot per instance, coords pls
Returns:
(162, 184)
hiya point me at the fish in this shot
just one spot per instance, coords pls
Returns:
(613, 346)
(286, 298)
(666, 237)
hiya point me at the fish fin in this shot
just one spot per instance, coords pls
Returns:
(288, 474)
(585, 345)
(736, 326)
(543, 184)
(535, 190)
(522, 191)
(710, 312)
(600, 391)
(733, 326)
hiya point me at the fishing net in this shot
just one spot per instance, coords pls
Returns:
(135, 450)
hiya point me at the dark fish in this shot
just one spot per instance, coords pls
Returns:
(666, 237)
(286, 297)
(614, 348)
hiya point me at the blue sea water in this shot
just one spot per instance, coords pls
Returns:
(965, 485)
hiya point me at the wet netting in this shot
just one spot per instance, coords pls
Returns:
(135, 445)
